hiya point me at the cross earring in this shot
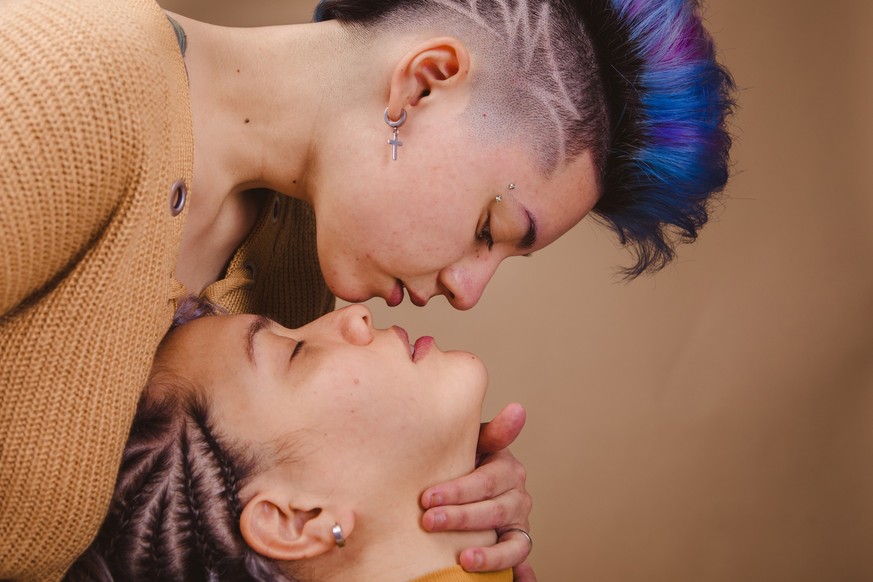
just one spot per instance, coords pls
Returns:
(395, 125)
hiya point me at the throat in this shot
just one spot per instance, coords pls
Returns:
(397, 549)
(213, 233)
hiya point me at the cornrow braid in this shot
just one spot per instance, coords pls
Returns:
(229, 480)
(199, 526)
(175, 511)
(156, 551)
(144, 470)
(176, 507)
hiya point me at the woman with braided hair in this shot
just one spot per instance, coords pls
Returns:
(392, 148)
(351, 425)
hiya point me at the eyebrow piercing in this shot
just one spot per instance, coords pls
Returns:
(499, 197)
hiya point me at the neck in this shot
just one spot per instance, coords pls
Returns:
(257, 96)
(392, 547)
(388, 543)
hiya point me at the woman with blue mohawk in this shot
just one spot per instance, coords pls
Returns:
(146, 156)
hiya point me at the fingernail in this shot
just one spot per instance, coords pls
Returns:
(436, 499)
(478, 559)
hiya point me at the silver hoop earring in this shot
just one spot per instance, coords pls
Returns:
(338, 535)
(395, 125)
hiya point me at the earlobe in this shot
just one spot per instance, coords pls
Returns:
(437, 64)
(284, 533)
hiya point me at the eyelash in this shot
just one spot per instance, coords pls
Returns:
(485, 233)
(297, 349)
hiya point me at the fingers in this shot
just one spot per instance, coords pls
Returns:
(492, 497)
(500, 473)
(511, 551)
(524, 573)
(509, 508)
(502, 430)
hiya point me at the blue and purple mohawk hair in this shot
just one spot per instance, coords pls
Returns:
(668, 100)
(662, 150)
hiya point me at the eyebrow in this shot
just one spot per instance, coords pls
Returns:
(530, 237)
(259, 324)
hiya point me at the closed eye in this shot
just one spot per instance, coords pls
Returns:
(485, 233)
(296, 351)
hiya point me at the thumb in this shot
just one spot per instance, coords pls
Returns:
(498, 434)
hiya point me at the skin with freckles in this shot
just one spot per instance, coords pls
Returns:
(365, 428)
(300, 110)
(443, 237)
(428, 221)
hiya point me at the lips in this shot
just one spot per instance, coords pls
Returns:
(416, 299)
(421, 348)
(404, 337)
(396, 297)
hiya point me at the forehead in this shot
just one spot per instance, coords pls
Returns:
(194, 345)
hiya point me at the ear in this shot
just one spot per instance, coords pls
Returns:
(438, 64)
(275, 529)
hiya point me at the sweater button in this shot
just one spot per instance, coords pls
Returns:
(250, 267)
(178, 197)
(277, 207)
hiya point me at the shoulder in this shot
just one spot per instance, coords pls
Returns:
(94, 108)
(91, 76)
(85, 52)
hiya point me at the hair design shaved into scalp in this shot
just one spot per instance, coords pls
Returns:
(635, 82)
(526, 88)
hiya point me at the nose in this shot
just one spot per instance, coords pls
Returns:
(356, 324)
(465, 281)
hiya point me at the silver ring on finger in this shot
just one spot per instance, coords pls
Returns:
(521, 531)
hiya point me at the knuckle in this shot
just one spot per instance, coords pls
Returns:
(450, 493)
(458, 519)
(489, 484)
(521, 474)
(527, 504)
(501, 515)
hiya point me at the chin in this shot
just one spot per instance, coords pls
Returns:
(346, 293)
(475, 374)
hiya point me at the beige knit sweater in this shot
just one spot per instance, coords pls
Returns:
(95, 128)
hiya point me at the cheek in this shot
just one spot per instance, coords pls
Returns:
(404, 231)
(375, 422)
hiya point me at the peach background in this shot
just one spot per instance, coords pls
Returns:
(712, 423)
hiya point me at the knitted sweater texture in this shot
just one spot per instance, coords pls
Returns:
(95, 128)
(458, 574)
